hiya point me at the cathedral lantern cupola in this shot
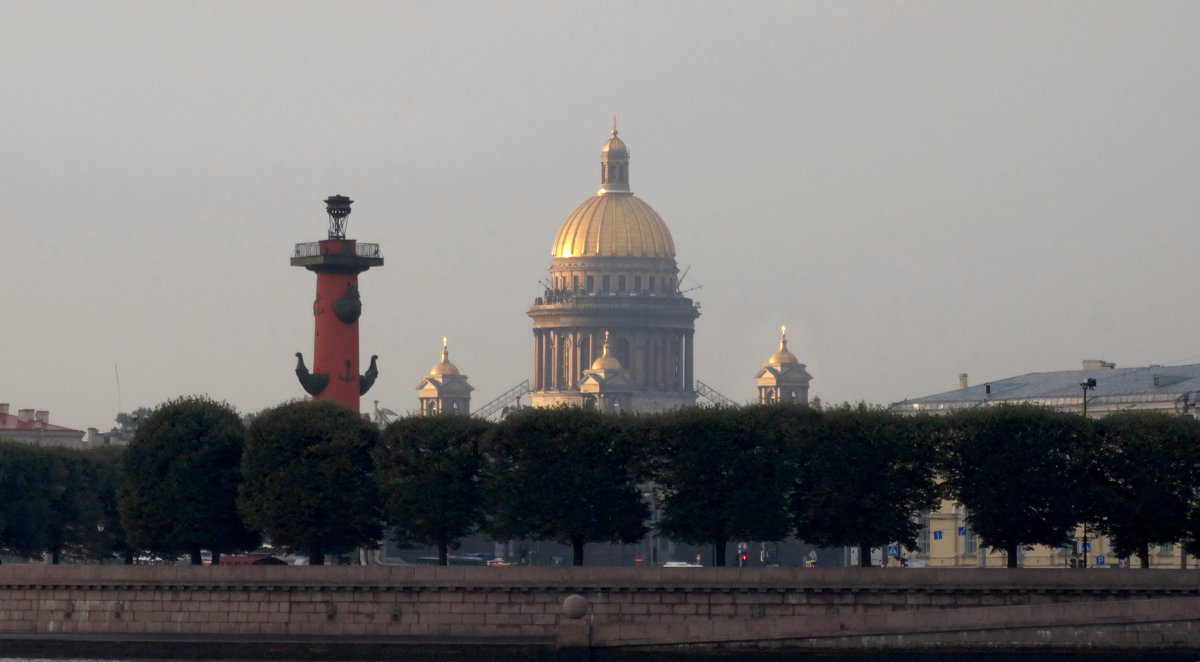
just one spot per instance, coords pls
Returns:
(783, 378)
(614, 164)
(444, 390)
(613, 270)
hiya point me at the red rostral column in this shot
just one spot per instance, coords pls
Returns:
(337, 261)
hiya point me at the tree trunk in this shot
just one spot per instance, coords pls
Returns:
(1144, 555)
(719, 553)
(55, 556)
(316, 554)
(1012, 549)
(196, 559)
(443, 552)
(216, 557)
(864, 555)
(577, 548)
(128, 560)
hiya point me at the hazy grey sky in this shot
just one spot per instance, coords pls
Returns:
(916, 189)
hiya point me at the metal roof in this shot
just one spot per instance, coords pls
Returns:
(1113, 386)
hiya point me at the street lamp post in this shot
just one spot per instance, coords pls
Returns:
(1088, 385)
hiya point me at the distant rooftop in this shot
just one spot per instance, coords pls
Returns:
(30, 420)
(1151, 387)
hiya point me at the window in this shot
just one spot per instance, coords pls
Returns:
(575, 282)
(652, 283)
(637, 283)
(970, 542)
(604, 283)
(620, 283)
(591, 283)
(923, 535)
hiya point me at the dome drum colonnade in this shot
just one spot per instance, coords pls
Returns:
(613, 270)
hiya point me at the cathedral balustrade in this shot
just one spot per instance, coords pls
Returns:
(556, 297)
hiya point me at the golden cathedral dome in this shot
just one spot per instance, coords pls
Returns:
(614, 222)
(783, 355)
(606, 361)
(614, 225)
(444, 367)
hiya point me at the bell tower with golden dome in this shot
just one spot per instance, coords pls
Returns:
(444, 390)
(613, 270)
(783, 378)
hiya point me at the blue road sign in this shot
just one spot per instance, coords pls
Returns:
(962, 530)
(1087, 546)
(1099, 561)
(937, 535)
(893, 550)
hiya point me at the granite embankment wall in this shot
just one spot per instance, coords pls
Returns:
(517, 612)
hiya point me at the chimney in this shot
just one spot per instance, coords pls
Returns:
(962, 380)
(92, 434)
(1097, 364)
(42, 416)
(4, 408)
(987, 389)
(25, 415)
(1157, 381)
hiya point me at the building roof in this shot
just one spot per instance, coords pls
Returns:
(10, 422)
(1116, 388)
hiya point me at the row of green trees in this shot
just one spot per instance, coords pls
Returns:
(56, 502)
(320, 479)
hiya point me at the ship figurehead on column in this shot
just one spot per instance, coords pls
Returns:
(613, 273)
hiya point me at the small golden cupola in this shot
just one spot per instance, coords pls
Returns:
(444, 367)
(783, 355)
(783, 378)
(444, 390)
(606, 361)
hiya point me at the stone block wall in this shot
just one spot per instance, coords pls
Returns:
(628, 607)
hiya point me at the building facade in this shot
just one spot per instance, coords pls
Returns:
(1097, 389)
(613, 274)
